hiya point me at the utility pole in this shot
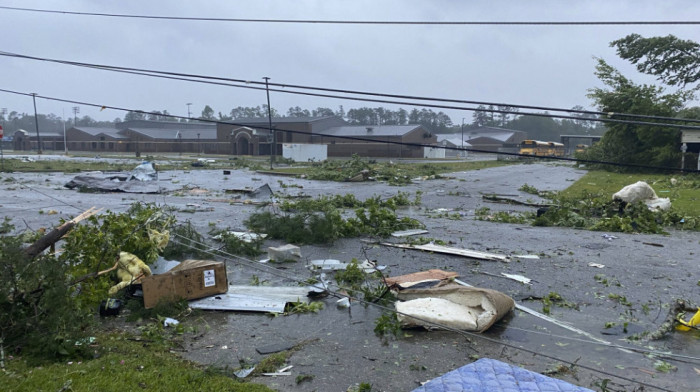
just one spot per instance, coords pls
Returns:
(76, 110)
(463, 153)
(273, 145)
(65, 141)
(36, 122)
(188, 111)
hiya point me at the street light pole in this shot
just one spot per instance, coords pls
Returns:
(273, 146)
(36, 122)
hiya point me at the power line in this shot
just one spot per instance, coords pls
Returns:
(363, 22)
(221, 81)
(364, 139)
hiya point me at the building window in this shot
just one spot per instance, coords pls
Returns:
(111, 145)
(94, 145)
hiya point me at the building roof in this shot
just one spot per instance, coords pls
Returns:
(95, 131)
(277, 120)
(177, 134)
(164, 124)
(453, 141)
(370, 130)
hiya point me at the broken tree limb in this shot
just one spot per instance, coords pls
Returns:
(56, 234)
(499, 199)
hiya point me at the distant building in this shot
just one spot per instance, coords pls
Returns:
(25, 140)
(489, 139)
(392, 141)
(245, 136)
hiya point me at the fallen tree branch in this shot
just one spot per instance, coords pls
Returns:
(56, 234)
(499, 199)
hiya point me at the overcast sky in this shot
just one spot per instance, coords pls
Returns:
(529, 65)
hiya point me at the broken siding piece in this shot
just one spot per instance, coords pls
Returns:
(474, 254)
(253, 299)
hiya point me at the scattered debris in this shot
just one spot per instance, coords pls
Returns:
(328, 265)
(653, 244)
(451, 251)
(693, 323)
(141, 180)
(551, 320)
(609, 237)
(452, 305)
(190, 279)
(244, 236)
(596, 265)
(367, 266)
(243, 373)
(408, 233)
(287, 252)
(170, 322)
(253, 299)
(641, 191)
(261, 192)
(275, 348)
(517, 278)
(146, 171)
(498, 199)
(130, 269)
(110, 307)
(428, 278)
(343, 302)
(531, 257)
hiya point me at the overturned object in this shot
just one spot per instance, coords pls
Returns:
(641, 191)
(130, 269)
(190, 279)
(453, 306)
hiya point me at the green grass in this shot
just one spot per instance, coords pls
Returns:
(412, 169)
(684, 195)
(122, 364)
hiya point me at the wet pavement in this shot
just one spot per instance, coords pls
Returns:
(338, 347)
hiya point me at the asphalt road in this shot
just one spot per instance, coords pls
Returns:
(339, 346)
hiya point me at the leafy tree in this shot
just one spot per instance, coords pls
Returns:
(207, 113)
(674, 61)
(480, 117)
(298, 112)
(630, 143)
(134, 115)
(322, 112)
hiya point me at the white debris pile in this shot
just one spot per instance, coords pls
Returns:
(641, 191)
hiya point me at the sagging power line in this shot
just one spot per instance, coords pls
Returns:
(605, 117)
(364, 139)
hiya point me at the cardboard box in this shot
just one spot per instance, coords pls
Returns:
(190, 279)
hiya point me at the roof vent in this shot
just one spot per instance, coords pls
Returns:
(369, 129)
